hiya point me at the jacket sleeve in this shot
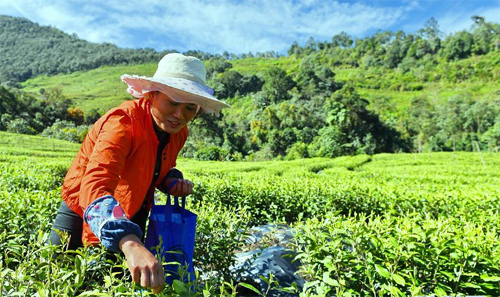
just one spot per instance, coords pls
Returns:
(107, 159)
(102, 211)
(108, 222)
(173, 173)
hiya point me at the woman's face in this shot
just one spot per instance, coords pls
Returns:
(169, 115)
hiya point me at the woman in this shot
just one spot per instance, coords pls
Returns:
(130, 151)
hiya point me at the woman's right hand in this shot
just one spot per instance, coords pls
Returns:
(144, 267)
(181, 188)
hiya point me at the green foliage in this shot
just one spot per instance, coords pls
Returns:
(315, 79)
(215, 66)
(51, 114)
(231, 81)
(19, 125)
(91, 117)
(233, 84)
(353, 128)
(491, 139)
(484, 35)
(278, 102)
(456, 125)
(458, 46)
(65, 130)
(402, 256)
(412, 224)
(276, 87)
(211, 153)
(297, 151)
(22, 61)
(220, 232)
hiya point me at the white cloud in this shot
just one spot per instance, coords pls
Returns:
(267, 25)
(461, 20)
(222, 25)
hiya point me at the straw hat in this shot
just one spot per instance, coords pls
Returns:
(182, 78)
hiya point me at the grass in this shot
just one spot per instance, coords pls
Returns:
(251, 66)
(99, 89)
(102, 88)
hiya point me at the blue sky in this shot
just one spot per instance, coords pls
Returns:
(242, 26)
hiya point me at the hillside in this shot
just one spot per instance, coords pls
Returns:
(389, 92)
(99, 88)
(102, 88)
(28, 50)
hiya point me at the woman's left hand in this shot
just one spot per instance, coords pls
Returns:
(182, 188)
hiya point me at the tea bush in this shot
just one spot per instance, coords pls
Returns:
(402, 256)
(382, 225)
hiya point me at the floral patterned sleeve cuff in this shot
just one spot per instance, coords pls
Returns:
(109, 223)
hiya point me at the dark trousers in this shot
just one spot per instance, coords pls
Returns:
(71, 223)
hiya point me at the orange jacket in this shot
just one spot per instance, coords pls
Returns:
(117, 158)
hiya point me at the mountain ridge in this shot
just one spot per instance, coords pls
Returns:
(28, 50)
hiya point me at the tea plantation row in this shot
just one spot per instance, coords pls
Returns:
(383, 225)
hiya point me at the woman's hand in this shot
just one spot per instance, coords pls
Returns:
(182, 188)
(144, 267)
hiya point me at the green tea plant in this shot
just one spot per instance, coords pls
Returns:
(382, 225)
(403, 256)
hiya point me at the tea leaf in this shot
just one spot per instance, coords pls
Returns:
(490, 278)
(330, 281)
(180, 287)
(250, 287)
(382, 271)
(398, 279)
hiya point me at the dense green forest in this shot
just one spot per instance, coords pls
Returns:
(389, 92)
(28, 50)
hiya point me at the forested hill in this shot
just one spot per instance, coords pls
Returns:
(389, 92)
(28, 50)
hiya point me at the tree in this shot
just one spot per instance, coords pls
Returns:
(432, 34)
(91, 116)
(9, 103)
(311, 45)
(458, 46)
(75, 115)
(250, 84)
(66, 130)
(431, 29)
(483, 33)
(281, 140)
(277, 84)
(342, 40)
(396, 51)
(231, 81)
(491, 138)
(353, 129)
(20, 125)
(217, 65)
(480, 116)
(315, 79)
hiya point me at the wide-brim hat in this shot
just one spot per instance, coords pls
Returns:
(182, 78)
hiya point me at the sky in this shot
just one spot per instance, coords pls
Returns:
(242, 26)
